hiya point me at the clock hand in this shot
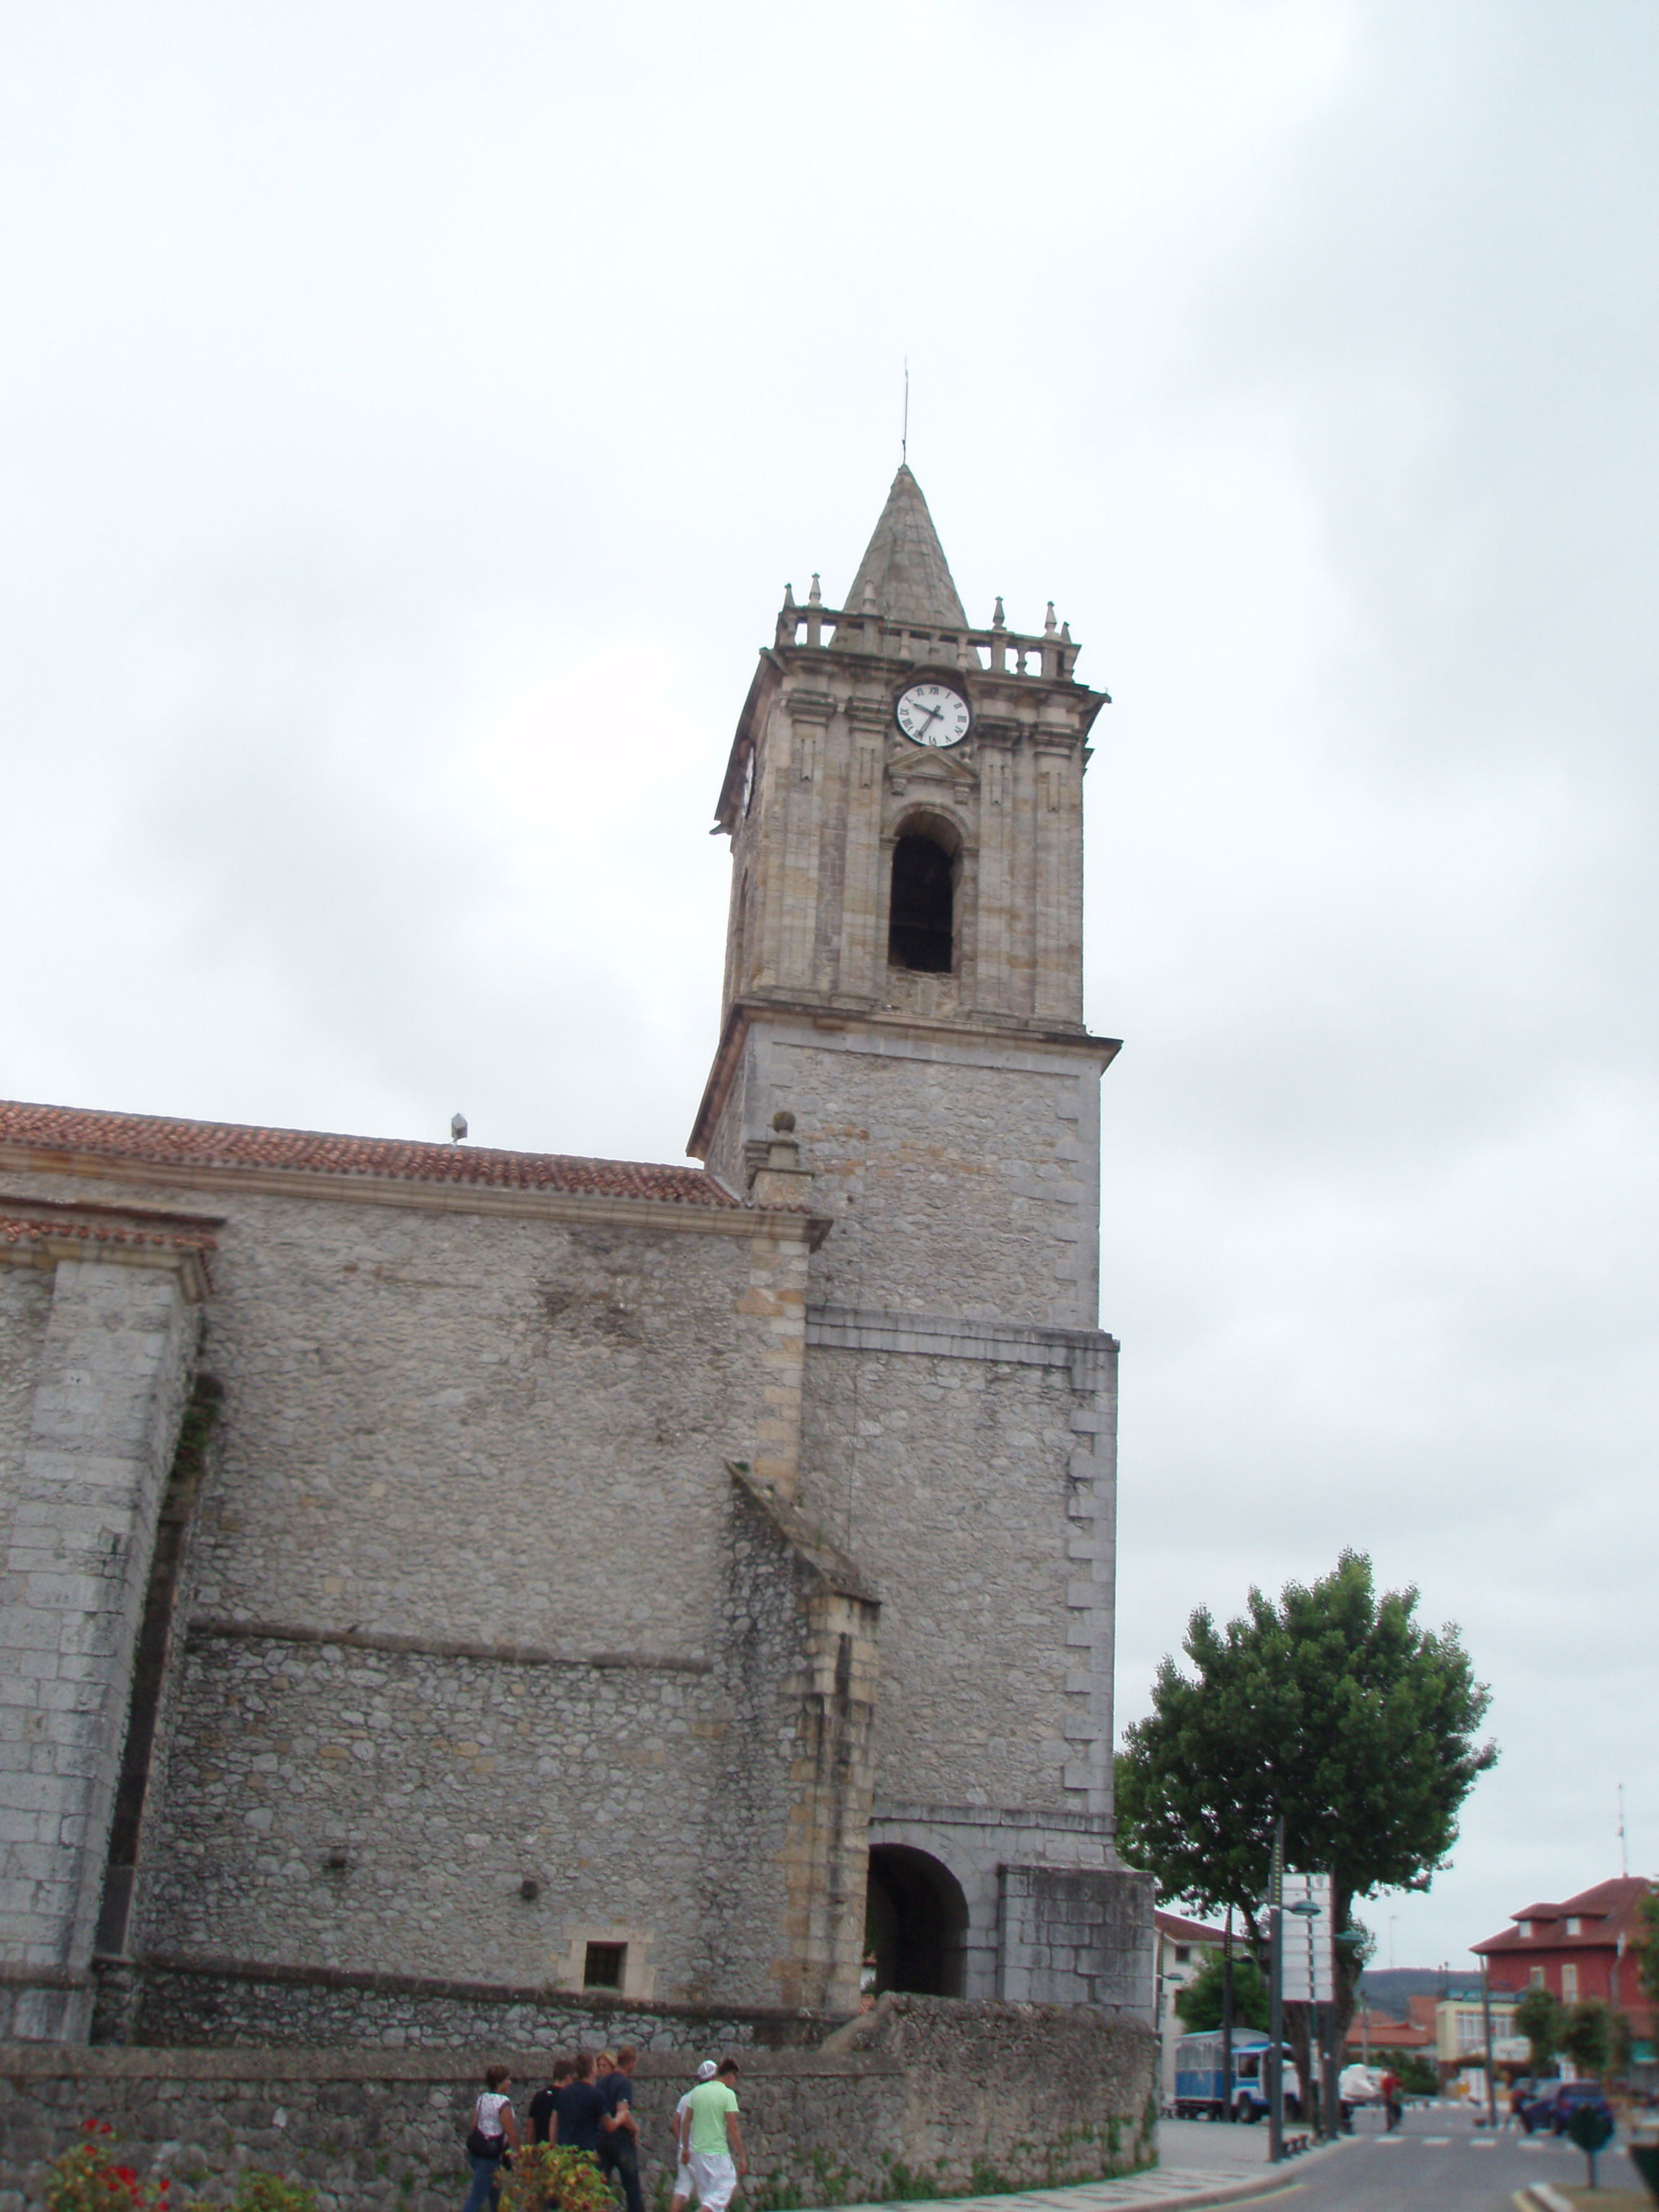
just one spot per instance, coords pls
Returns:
(933, 714)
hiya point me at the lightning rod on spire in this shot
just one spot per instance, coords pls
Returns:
(904, 432)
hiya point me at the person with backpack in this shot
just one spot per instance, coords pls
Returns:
(495, 2135)
(1389, 2089)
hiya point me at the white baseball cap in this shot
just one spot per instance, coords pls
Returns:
(707, 2070)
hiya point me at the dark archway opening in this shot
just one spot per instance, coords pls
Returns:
(916, 1920)
(920, 926)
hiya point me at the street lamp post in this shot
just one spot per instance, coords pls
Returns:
(1227, 2018)
(1277, 1998)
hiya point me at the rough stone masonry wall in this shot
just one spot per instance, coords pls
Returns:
(921, 2095)
(347, 1807)
(223, 2004)
(962, 1178)
(25, 1303)
(463, 1433)
(950, 1475)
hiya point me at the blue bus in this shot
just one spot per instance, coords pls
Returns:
(1201, 2092)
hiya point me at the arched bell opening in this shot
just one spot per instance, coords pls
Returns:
(915, 1923)
(921, 917)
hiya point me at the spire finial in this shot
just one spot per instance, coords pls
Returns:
(999, 620)
(814, 597)
(1048, 621)
(788, 595)
(905, 563)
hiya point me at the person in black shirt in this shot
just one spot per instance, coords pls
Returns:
(580, 2112)
(619, 2139)
(542, 2104)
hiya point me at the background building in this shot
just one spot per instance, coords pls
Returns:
(1585, 1946)
(1185, 1948)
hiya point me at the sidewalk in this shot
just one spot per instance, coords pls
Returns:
(1199, 2163)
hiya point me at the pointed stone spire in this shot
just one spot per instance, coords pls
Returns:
(904, 566)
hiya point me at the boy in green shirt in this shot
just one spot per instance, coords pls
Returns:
(715, 2139)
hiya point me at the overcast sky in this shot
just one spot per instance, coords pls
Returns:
(411, 415)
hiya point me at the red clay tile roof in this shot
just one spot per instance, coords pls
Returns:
(144, 1138)
(1607, 1910)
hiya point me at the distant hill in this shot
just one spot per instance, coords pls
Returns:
(1387, 1989)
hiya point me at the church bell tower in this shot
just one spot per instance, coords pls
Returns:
(904, 798)
(904, 1002)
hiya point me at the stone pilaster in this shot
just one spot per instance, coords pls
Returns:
(104, 1422)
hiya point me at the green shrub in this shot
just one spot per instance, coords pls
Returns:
(267, 2192)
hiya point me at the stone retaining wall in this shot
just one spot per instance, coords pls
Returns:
(923, 2095)
(184, 2004)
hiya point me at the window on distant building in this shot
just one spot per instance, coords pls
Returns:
(1536, 1978)
(1569, 1984)
(1183, 1952)
(1524, 1927)
(1575, 1926)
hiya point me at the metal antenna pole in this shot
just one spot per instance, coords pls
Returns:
(1277, 1998)
(904, 434)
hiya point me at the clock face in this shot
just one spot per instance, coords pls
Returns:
(933, 714)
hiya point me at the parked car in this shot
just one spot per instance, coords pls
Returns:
(1555, 2103)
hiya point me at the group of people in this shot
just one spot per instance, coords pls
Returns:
(587, 2104)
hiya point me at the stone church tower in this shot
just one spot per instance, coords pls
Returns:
(445, 1593)
(904, 979)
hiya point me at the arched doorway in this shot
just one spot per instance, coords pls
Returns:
(915, 1919)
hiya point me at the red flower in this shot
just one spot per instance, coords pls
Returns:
(125, 2173)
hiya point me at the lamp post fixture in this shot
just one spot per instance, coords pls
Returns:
(1305, 1907)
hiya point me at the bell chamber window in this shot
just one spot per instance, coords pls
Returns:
(921, 917)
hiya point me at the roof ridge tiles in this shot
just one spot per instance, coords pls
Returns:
(164, 1140)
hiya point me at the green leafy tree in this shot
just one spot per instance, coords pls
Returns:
(1539, 2017)
(1586, 2036)
(1418, 2076)
(1334, 1707)
(1199, 2002)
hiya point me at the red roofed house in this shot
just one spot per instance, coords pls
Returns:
(1585, 1946)
(433, 1575)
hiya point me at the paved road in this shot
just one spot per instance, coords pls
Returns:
(1436, 2161)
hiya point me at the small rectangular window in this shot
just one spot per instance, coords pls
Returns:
(1569, 1984)
(1575, 1926)
(1183, 1952)
(603, 1966)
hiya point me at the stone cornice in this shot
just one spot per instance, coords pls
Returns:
(1016, 1035)
(587, 1209)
